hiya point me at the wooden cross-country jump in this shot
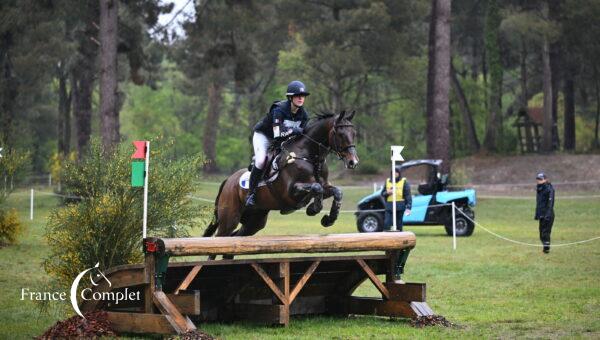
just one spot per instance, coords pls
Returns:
(176, 295)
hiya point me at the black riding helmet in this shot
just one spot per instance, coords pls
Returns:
(296, 88)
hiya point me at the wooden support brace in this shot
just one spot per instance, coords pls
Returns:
(140, 323)
(384, 291)
(188, 279)
(303, 280)
(181, 324)
(261, 272)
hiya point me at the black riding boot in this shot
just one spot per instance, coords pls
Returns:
(255, 177)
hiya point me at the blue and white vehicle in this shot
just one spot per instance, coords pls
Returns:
(429, 205)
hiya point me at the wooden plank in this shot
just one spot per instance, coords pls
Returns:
(380, 307)
(261, 272)
(181, 324)
(303, 280)
(241, 261)
(407, 291)
(373, 278)
(140, 323)
(188, 302)
(267, 314)
(421, 308)
(188, 278)
(289, 244)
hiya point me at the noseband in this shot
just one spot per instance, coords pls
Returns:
(336, 148)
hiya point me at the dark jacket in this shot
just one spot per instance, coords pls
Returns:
(545, 201)
(281, 114)
(405, 194)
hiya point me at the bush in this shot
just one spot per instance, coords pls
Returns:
(10, 226)
(105, 225)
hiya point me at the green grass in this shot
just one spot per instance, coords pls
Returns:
(489, 287)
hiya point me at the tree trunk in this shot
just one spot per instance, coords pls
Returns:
(547, 89)
(467, 116)
(492, 28)
(10, 90)
(209, 140)
(597, 83)
(555, 65)
(438, 83)
(64, 111)
(82, 83)
(569, 102)
(523, 65)
(109, 110)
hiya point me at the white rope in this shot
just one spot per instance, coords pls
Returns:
(573, 197)
(525, 243)
(201, 199)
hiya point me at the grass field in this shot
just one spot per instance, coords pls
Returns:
(489, 287)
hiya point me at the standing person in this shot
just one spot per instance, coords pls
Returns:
(403, 200)
(544, 210)
(285, 118)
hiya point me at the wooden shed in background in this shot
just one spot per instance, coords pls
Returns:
(528, 124)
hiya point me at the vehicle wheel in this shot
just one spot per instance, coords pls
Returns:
(369, 223)
(464, 227)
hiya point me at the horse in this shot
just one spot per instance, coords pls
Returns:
(303, 176)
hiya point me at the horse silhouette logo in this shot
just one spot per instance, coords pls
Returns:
(94, 280)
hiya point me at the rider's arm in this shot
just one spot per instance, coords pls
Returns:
(277, 124)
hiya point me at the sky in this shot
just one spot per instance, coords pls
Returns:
(182, 9)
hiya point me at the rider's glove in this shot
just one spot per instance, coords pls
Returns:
(297, 130)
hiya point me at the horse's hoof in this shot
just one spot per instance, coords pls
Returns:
(286, 211)
(326, 221)
(311, 210)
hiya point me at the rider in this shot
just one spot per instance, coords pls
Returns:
(285, 118)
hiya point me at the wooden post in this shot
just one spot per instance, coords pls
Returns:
(150, 278)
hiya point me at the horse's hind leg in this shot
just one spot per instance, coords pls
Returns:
(252, 224)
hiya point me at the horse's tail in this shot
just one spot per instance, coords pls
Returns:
(214, 224)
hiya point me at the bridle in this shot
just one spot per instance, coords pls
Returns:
(328, 149)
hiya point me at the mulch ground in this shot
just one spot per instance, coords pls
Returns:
(94, 325)
(430, 320)
(193, 335)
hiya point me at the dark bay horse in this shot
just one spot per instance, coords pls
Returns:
(303, 176)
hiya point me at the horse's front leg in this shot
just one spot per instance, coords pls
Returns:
(304, 192)
(328, 191)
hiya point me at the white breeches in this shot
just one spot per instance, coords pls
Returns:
(260, 143)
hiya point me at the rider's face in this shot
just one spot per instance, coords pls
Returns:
(298, 100)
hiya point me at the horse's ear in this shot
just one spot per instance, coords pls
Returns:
(351, 115)
(340, 117)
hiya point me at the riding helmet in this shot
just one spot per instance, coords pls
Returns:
(296, 88)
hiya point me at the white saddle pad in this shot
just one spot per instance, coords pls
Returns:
(245, 180)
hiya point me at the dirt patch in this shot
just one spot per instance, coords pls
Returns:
(572, 173)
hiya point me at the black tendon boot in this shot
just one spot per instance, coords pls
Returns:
(255, 177)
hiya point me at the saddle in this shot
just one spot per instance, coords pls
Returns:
(274, 163)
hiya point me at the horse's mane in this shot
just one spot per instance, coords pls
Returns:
(318, 117)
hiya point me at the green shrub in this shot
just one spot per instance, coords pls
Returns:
(105, 225)
(10, 226)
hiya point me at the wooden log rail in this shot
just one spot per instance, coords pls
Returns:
(285, 244)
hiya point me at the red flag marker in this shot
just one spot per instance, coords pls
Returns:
(140, 149)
